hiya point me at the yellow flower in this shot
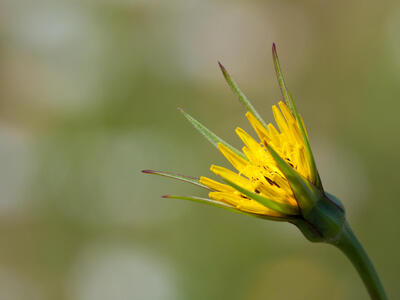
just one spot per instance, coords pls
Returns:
(276, 177)
(258, 171)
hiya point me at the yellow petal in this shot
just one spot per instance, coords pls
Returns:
(251, 144)
(243, 204)
(258, 127)
(274, 134)
(293, 127)
(280, 120)
(215, 185)
(231, 176)
(286, 112)
(236, 161)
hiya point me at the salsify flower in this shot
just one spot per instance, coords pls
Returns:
(263, 184)
(276, 178)
(257, 170)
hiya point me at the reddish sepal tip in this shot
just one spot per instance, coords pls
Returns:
(221, 66)
(148, 171)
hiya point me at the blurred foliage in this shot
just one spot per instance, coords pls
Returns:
(88, 97)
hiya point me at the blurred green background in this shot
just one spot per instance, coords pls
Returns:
(88, 98)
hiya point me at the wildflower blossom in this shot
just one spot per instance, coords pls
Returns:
(259, 187)
(276, 178)
(257, 171)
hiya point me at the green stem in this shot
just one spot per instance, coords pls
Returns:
(353, 249)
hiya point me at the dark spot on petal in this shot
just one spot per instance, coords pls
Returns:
(289, 162)
(271, 182)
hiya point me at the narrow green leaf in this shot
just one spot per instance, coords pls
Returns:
(282, 208)
(292, 106)
(209, 135)
(241, 95)
(184, 178)
(305, 193)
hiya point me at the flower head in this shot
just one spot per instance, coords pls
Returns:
(276, 177)
(257, 171)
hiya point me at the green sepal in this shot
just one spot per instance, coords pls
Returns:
(281, 80)
(292, 106)
(242, 97)
(209, 135)
(309, 231)
(221, 205)
(322, 223)
(282, 208)
(202, 200)
(184, 178)
(321, 218)
(335, 200)
(305, 193)
(328, 218)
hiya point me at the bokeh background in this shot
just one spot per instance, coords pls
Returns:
(88, 98)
